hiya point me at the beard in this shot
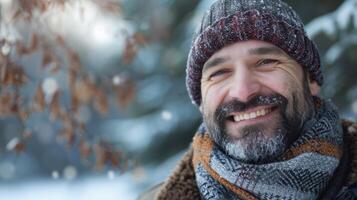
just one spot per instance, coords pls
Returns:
(265, 141)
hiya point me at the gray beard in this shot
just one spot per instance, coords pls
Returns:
(258, 147)
(255, 148)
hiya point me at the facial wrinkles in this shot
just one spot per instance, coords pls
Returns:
(212, 90)
(292, 75)
(206, 86)
(293, 83)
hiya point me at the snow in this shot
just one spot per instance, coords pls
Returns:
(332, 22)
(335, 51)
(110, 187)
(89, 189)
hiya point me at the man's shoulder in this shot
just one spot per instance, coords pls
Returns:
(180, 185)
(350, 131)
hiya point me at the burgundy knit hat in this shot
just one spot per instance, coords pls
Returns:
(231, 21)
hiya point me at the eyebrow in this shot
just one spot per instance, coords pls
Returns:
(266, 50)
(254, 51)
(213, 62)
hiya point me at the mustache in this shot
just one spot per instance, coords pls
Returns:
(275, 100)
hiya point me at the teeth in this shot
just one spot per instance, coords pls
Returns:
(263, 112)
(246, 116)
(252, 115)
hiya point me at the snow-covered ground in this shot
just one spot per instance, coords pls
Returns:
(86, 189)
(111, 187)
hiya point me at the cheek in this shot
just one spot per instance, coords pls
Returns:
(292, 75)
(289, 85)
(284, 80)
(276, 82)
(212, 96)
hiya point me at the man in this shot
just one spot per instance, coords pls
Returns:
(255, 76)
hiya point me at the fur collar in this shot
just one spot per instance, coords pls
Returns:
(181, 185)
(350, 130)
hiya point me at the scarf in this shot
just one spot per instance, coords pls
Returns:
(302, 172)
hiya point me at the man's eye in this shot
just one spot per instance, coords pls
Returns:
(267, 62)
(218, 73)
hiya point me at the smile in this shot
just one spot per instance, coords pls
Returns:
(251, 114)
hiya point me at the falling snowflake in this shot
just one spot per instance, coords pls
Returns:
(166, 115)
(55, 175)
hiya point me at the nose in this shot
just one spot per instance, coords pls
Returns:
(244, 85)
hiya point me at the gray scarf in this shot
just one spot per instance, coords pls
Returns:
(302, 172)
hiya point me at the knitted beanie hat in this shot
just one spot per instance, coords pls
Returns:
(231, 21)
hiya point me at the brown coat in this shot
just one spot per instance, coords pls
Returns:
(181, 185)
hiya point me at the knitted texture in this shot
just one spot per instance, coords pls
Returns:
(184, 173)
(302, 172)
(231, 21)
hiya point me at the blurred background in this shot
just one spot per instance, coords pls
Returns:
(93, 103)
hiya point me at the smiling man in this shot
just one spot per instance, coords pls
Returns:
(255, 100)
(266, 133)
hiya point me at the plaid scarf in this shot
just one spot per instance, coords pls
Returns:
(302, 172)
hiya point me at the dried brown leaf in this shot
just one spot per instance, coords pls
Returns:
(55, 68)
(29, 6)
(21, 49)
(34, 43)
(16, 145)
(17, 14)
(139, 39)
(43, 5)
(55, 107)
(99, 157)
(60, 40)
(47, 58)
(81, 127)
(84, 149)
(72, 76)
(114, 158)
(13, 75)
(39, 99)
(125, 93)
(106, 155)
(100, 102)
(109, 6)
(61, 4)
(24, 115)
(66, 121)
(14, 108)
(130, 52)
(84, 90)
(68, 135)
(74, 103)
(6, 101)
(74, 60)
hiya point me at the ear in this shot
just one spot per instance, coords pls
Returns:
(314, 88)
